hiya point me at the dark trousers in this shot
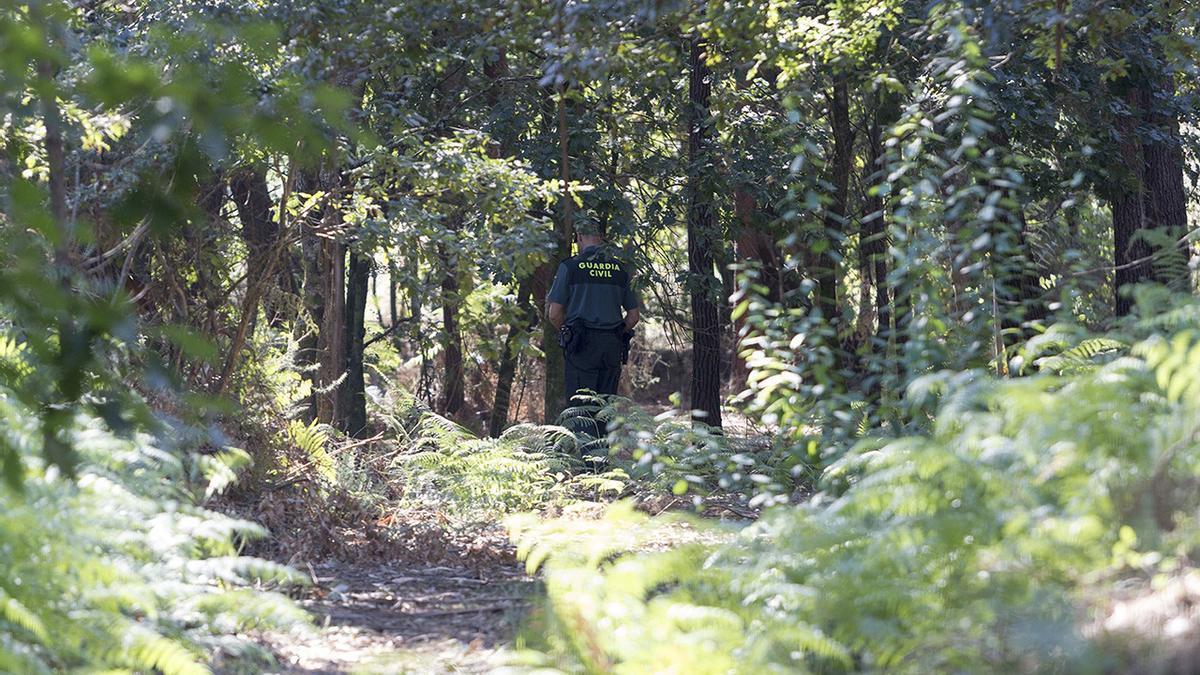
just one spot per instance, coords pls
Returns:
(594, 365)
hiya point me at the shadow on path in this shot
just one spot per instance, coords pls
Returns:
(407, 618)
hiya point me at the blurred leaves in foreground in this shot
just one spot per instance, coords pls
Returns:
(985, 544)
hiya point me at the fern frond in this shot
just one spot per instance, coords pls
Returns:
(1082, 355)
(150, 651)
(221, 470)
(12, 611)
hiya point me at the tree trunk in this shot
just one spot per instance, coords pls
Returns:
(873, 246)
(1166, 196)
(56, 159)
(261, 233)
(394, 302)
(1130, 251)
(507, 371)
(250, 194)
(425, 389)
(555, 396)
(312, 292)
(308, 351)
(835, 215)
(701, 231)
(393, 307)
(354, 396)
(452, 400)
(555, 368)
(1030, 294)
(331, 342)
(501, 103)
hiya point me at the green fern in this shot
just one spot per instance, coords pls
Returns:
(1083, 355)
(125, 540)
(151, 651)
(12, 611)
(972, 547)
(478, 478)
(221, 470)
(313, 440)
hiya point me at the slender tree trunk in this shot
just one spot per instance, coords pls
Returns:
(554, 399)
(553, 364)
(873, 245)
(875, 233)
(412, 267)
(728, 289)
(500, 101)
(354, 397)
(55, 157)
(1030, 294)
(452, 400)
(1130, 251)
(507, 371)
(835, 215)
(701, 230)
(416, 308)
(308, 350)
(333, 332)
(393, 301)
(1166, 195)
(56, 418)
(312, 291)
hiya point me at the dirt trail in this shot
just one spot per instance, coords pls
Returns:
(399, 618)
(413, 591)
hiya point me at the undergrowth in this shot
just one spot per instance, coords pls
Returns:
(123, 568)
(672, 452)
(528, 467)
(975, 546)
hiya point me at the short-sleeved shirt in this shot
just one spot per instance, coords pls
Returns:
(594, 287)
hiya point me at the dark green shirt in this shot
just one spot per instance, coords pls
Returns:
(594, 287)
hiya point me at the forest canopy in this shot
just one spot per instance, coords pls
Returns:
(914, 388)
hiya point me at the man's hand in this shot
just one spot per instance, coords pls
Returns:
(632, 317)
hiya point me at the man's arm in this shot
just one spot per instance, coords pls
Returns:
(632, 317)
(632, 305)
(556, 299)
(557, 313)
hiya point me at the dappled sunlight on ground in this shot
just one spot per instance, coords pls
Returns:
(407, 618)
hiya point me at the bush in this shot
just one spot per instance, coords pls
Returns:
(670, 451)
(477, 479)
(122, 568)
(971, 547)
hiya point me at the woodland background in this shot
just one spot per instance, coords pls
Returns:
(916, 389)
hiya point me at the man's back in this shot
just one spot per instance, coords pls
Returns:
(594, 286)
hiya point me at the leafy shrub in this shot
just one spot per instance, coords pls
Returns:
(671, 452)
(973, 547)
(526, 468)
(121, 568)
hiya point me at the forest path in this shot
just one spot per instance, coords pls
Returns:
(406, 618)
(415, 590)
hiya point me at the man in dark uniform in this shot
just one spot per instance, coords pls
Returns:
(595, 309)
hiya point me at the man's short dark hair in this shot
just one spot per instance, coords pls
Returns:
(590, 226)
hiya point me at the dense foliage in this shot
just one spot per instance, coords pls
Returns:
(977, 546)
(122, 568)
(931, 259)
